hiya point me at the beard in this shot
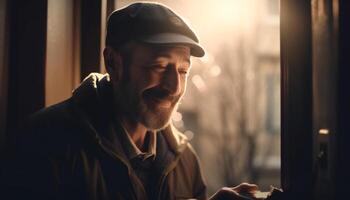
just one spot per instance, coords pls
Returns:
(145, 107)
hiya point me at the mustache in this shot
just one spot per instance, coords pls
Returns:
(161, 94)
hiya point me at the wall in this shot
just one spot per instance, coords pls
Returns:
(62, 51)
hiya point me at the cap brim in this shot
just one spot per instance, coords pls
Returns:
(173, 38)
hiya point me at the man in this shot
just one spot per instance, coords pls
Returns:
(113, 138)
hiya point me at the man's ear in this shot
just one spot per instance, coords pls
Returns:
(114, 63)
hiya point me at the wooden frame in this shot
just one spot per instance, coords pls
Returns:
(315, 98)
(342, 164)
(4, 35)
(26, 66)
(296, 86)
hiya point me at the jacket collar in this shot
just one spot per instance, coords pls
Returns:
(90, 98)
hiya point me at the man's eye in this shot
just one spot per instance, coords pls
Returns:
(158, 68)
(183, 71)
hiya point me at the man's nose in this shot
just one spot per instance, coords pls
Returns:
(171, 82)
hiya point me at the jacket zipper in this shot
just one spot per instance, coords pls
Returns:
(165, 174)
(91, 129)
(138, 182)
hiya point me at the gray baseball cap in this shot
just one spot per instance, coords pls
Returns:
(151, 23)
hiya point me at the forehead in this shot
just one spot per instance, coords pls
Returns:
(176, 49)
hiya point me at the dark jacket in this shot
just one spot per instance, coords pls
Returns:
(71, 151)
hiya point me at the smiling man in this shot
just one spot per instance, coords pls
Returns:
(113, 138)
(153, 83)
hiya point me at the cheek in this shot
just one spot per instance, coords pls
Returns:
(143, 81)
(151, 79)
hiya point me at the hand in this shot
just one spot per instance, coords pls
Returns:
(243, 191)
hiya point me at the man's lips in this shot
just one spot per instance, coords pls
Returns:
(158, 97)
(160, 102)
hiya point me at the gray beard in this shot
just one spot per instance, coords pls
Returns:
(156, 119)
(136, 110)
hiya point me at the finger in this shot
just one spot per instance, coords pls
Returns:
(246, 188)
(236, 196)
(229, 194)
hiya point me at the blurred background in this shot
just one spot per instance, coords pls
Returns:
(231, 111)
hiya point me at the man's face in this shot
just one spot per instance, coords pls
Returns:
(156, 81)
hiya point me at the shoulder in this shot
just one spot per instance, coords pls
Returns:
(52, 121)
(49, 129)
(60, 112)
(179, 143)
